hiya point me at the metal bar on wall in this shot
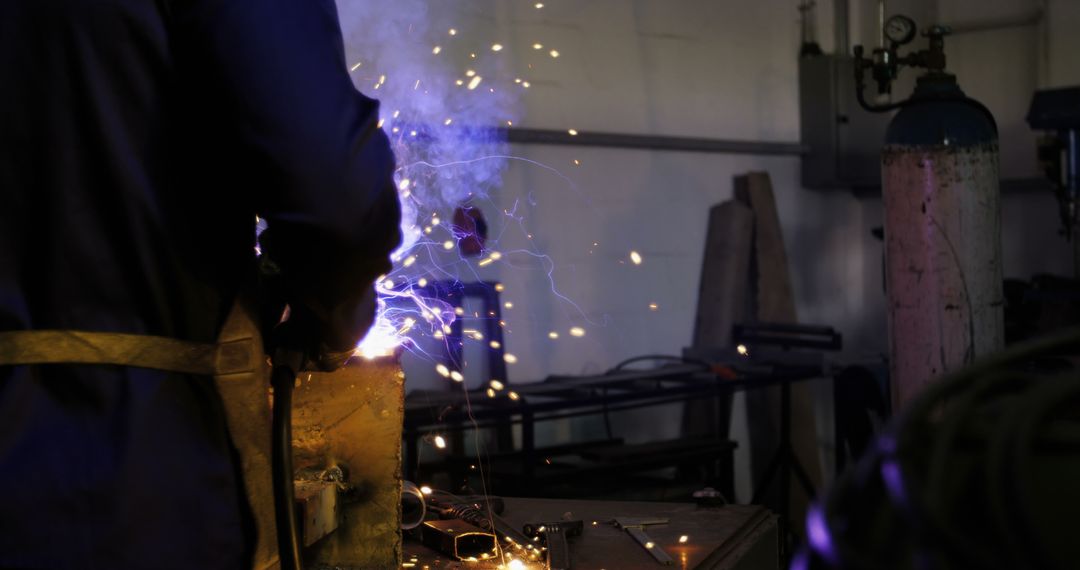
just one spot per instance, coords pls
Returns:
(649, 142)
(991, 24)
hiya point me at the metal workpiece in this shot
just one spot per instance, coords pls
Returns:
(482, 514)
(635, 527)
(349, 421)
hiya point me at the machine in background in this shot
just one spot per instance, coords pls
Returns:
(1056, 112)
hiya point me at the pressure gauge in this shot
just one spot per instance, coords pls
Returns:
(900, 29)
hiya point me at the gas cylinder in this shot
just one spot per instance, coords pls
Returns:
(942, 231)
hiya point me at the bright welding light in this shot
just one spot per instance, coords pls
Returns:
(515, 564)
(440, 442)
(684, 539)
(425, 490)
(742, 350)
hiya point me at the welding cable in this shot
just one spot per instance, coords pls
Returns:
(943, 437)
(911, 510)
(283, 380)
(1040, 408)
(953, 417)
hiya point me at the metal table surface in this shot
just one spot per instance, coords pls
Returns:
(734, 537)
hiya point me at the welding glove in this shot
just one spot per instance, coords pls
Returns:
(325, 336)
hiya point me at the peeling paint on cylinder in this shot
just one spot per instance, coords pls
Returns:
(943, 260)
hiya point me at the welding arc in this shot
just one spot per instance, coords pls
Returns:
(283, 379)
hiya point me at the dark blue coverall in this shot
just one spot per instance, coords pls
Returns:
(138, 141)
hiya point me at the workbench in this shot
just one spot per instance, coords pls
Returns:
(734, 537)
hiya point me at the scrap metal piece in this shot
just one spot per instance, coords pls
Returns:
(555, 535)
(457, 538)
(317, 507)
(635, 527)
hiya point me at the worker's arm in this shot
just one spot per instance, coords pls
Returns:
(323, 168)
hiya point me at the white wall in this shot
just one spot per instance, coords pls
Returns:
(721, 69)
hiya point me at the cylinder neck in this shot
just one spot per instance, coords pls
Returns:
(937, 85)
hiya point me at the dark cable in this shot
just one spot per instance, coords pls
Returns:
(283, 379)
(860, 96)
(668, 357)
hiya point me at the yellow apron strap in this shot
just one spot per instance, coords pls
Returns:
(246, 398)
(143, 351)
(241, 376)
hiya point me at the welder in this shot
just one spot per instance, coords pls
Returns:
(139, 142)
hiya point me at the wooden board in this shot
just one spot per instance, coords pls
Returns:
(724, 285)
(353, 417)
(775, 303)
(737, 537)
(723, 296)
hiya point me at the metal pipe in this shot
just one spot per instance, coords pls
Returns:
(841, 27)
(881, 8)
(650, 142)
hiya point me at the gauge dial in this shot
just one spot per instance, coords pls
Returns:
(900, 29)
